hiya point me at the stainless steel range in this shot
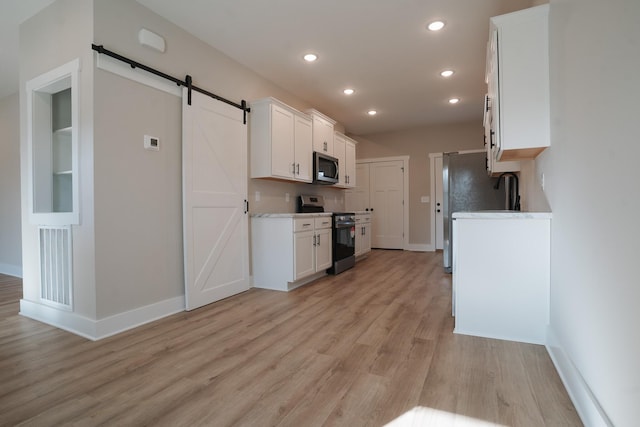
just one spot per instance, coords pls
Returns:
(343, 233)
(344, 242)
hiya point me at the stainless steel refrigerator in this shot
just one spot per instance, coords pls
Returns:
(467, 187)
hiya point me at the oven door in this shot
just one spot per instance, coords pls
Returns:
(344, 240)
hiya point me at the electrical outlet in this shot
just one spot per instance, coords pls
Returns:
(542, 180)
(257, 196)
(286, 197)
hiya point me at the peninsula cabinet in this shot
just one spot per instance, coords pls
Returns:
(501, 274)
(280, 142)
(322, 132)
(518, 83)
(289, 250)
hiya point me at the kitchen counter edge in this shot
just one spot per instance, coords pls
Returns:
(501, 215)
(290, 215)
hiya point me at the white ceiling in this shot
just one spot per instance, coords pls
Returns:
(380, 48)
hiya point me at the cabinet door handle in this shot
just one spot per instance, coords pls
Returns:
(491, 138)
(318, 240)
(293, 168)
(298, 168)
(314, 240)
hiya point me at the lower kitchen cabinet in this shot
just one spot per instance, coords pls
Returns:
(289, 250)
(363, 233)
(501, 275)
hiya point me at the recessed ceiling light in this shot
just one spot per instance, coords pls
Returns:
(454, 100)
(435, 26)
(372, 112)
(446, 73)
(310, 57)
(348, 91)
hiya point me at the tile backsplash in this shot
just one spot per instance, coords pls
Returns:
(270, 196)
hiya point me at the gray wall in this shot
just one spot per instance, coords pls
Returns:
(417, 144)
(138, 199)
(10, 233)
(58, 34)
(591, 182)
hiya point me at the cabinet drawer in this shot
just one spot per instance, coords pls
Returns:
(363, 219)
(323, 222)
(303, 224)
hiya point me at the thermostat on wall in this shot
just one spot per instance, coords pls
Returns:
(151, 143)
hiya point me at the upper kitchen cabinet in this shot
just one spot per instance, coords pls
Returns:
(518, 83)
(322, 132)
(281, 144)
(344, 149)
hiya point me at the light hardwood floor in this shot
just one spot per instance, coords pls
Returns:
(358, 349)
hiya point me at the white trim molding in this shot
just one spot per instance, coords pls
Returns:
(433, 198)
(103, 328)
(106, 63)
(587, 406)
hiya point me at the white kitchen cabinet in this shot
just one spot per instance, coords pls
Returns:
(303, 148)
(344, 149)
(363, 233)
(323, 244)
(501, 275)
(358, 198)
(518, 83)
(281, 139)
(322, 132)
(289, 250)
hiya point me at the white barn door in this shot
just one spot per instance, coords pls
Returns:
(214, 179)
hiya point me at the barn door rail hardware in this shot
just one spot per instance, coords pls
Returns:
(187, 82)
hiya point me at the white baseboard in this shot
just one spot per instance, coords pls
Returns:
(416, 247)
(587, 406)
(11, 270)
(103, 328)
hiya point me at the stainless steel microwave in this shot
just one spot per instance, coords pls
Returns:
(325, 169)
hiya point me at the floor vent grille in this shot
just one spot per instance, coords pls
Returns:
(55, 267)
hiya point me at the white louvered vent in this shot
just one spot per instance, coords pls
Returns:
(56, 281)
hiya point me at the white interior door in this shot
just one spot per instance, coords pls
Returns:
(439, 197)
(387, 204)
(214, 169)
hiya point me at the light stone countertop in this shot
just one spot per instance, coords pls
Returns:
(501, 214)
(290, 215)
